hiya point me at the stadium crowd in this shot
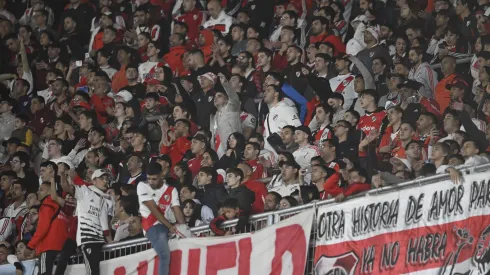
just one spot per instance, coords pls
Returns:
(124, 118)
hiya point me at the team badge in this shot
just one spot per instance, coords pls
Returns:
(298, 74)
(166, 198)
(195, 17)
(467, 23)
(373, 118)
(210, 98)
(42, 120)
(371, 54)
(252, 7)
(275, 117)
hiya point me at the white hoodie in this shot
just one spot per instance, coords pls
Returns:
(356, 43)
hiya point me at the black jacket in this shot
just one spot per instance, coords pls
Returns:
(244, 196)
(213, 196)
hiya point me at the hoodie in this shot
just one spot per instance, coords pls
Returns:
(208, 43)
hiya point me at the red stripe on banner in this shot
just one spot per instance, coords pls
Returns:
(227, 257)
(143, 268)
(295, 244)
(439, 246)
(194, 261)
(175, 259)
(245, 247)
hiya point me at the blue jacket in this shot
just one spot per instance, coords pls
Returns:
(299, 99)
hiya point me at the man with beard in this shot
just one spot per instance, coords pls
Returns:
(60, 89)
(373, 49)
(422, 72)
(137, 89)
(393, 96)
(71, 39)
(343, 83)
(322, 33)
(336, 101)
(252, 90)
(295, 73)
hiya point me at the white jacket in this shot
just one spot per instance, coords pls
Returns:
(223, 23)
(344, 84)
(303, 155)
(427, 76)
(278, 117)
(356, 43)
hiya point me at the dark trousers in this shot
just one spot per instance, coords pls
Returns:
(46, 262)
(92, 255)
(69, 249)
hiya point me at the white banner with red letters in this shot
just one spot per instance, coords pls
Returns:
(439, 228)
(278, 249)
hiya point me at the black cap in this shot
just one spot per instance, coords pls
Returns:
(165, 158)
(13, 140)
(291, 163)
(199, 137)
(103, 74)
(411, 84)
(304, 129)
(400, 76)
(54, 44)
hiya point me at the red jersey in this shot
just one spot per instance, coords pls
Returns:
(260, 193)
(177, 150)
(369, 122)
(195, 165)
(257, 168)
(194, 19)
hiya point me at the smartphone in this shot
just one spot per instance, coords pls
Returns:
(79, 63)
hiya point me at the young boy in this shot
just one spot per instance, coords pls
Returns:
(230, 211)
(21, 131)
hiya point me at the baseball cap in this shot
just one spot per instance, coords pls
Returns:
(457, 83)
(411, 84)
(405, 161)
(290, 163)
(125, 95)
(99, 173)
(66, 160)
(210, 76)
(165, 158)
(13, 140)
(304, 129)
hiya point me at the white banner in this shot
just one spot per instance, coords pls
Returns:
(29, 268)
(280, 249)
(439, 228)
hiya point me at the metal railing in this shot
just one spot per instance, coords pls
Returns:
(263, 220)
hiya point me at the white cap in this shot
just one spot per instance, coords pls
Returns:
(125, 95)
(66, 160)
(99, 173)
(404, 161)
(374, 30)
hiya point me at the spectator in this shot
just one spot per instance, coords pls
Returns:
(272, 201)
(231, 210)
(154, 206)
(190, 192)
(214, 194)
(288, 202)
(191, 213)
(288, 181)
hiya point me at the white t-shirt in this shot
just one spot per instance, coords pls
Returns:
(164, 199)
(92, 212)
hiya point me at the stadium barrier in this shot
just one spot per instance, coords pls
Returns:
(263, 220)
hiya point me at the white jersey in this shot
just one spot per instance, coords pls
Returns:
(303, 155)
(92, 212)
(222, 23)
(344, 84)
(165, 198)
(277, 185)
(279, 116)
(12, 212)
(144, 70)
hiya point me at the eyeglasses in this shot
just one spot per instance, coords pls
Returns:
(14, 161)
